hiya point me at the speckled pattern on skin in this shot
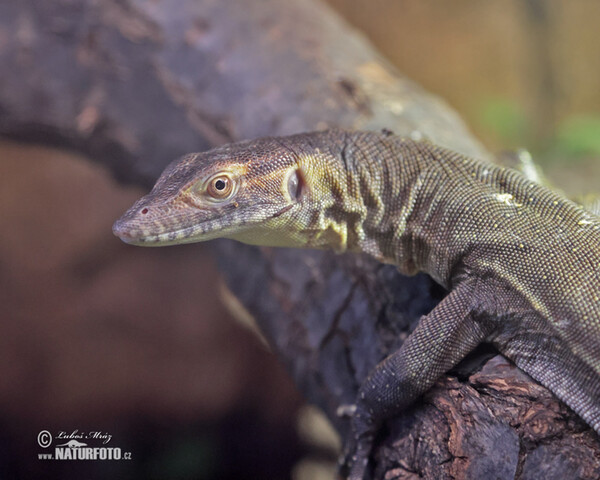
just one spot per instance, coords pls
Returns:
(521, 262)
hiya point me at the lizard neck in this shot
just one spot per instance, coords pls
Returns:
(378, 189)
(393, 202)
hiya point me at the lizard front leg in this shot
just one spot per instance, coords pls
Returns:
(442, 338)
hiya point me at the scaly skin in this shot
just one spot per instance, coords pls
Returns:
(522, 263)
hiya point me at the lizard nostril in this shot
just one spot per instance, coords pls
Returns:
(144, 211)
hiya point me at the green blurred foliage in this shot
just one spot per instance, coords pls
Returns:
(505, 121)
(579, 136)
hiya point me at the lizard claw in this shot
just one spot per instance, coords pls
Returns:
(354, 460)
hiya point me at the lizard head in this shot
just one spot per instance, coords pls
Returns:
(257, 192)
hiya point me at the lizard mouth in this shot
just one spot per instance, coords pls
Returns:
(132, 230)
(130, 235)
(121, 230)
(135, 229)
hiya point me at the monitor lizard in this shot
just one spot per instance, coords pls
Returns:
(521, 263)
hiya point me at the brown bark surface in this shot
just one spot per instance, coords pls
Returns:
(134, 84)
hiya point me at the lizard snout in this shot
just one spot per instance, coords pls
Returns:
(122, 229)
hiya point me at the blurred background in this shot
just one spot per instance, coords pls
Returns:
(522, 73)
(83, 340)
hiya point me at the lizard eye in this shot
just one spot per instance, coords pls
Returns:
(220, 187)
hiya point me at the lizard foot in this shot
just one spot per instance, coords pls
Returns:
(355, 457)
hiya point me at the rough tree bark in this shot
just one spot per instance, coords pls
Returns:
(134, 84)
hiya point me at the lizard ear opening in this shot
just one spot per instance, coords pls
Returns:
(296, 184)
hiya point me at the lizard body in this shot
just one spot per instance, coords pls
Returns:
(521, 262)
